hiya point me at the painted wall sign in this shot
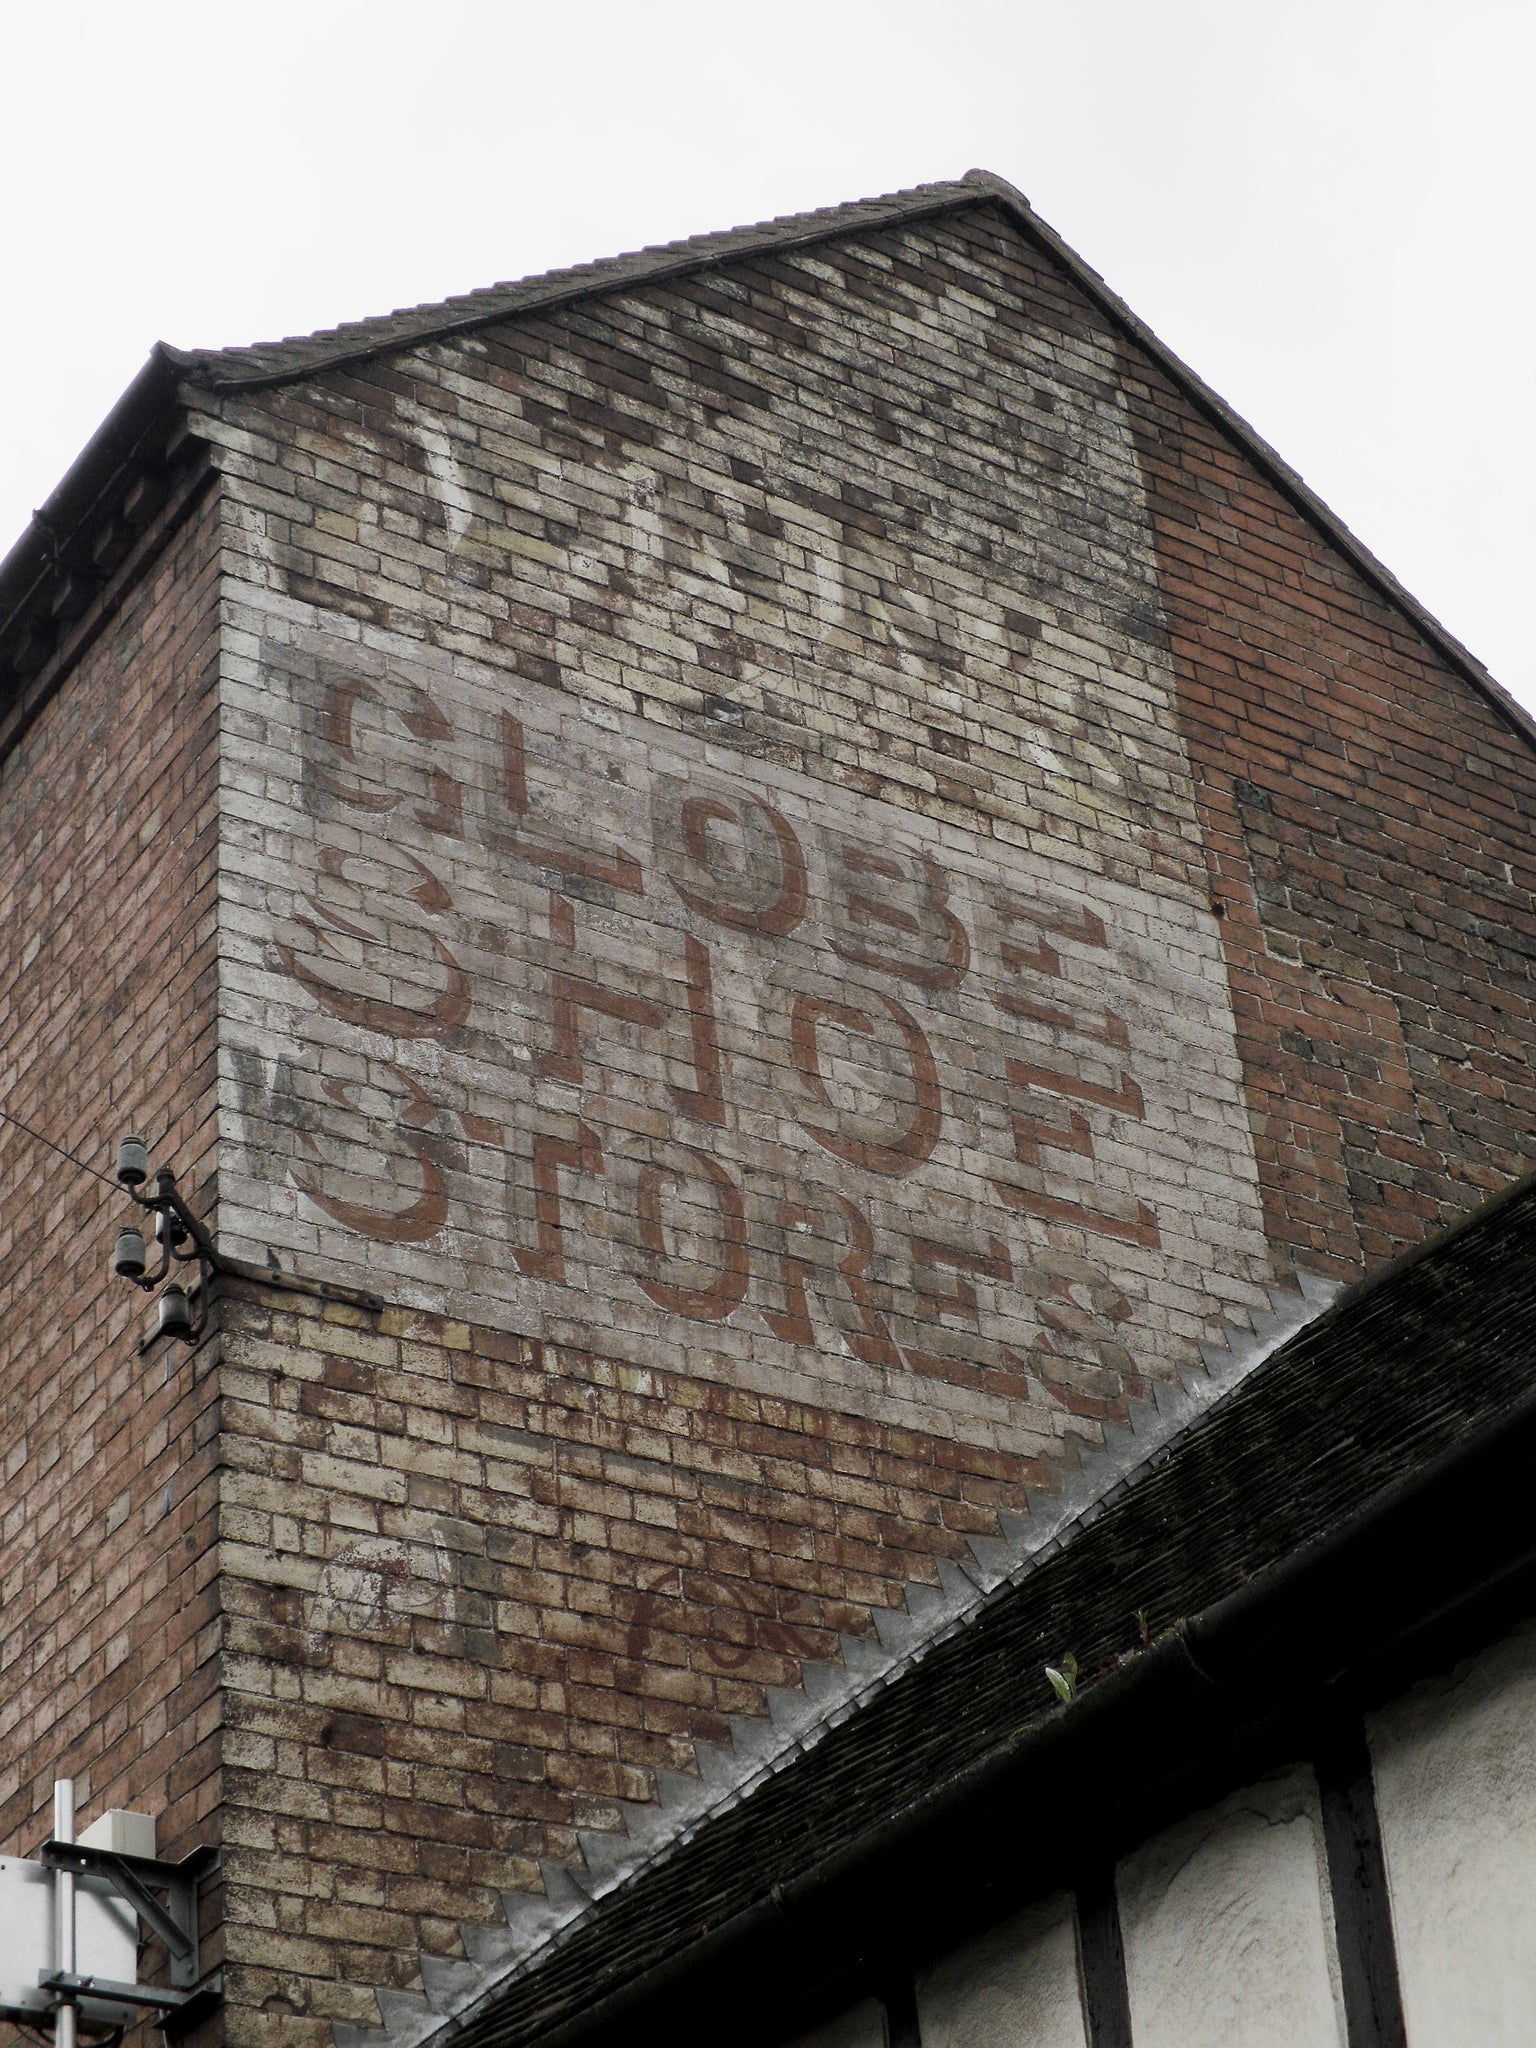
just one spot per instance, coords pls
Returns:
(580, 1025)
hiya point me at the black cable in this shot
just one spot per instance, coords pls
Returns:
(6, 1117)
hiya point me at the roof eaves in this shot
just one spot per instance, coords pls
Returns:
(137, 477)
(1391, 1445)
(113, 448)
(236, 370)
(1440, 1354)
(230, 371)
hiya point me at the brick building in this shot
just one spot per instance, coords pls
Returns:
(782, 900)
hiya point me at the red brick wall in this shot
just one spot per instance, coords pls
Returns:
(481, 1586)
(1367, 819)
(909, 582)
(109, 1611)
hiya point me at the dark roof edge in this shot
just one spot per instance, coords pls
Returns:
(1429, 1248)
(1294, 1650)
(395, 334)
(1253, 444)
(112, 446)
(977, 187)
(112, 449)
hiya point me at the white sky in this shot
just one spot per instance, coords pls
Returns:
(1323, 205)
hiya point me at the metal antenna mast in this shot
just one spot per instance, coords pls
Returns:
(66, 2020)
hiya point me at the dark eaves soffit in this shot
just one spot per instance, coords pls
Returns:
(1320, 1535)
(137, 429)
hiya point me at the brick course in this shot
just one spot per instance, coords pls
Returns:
(109, 1601)
(559, 1573)
(1366, 819)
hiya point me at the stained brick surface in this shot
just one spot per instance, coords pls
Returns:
(819, 882)
(783, 910)
(1367, 820)
(700, 1053)
(480, 1589)
(109, 1607)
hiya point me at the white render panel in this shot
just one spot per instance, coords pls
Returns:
(1455, 1769)
(1227, 1928)
(1016, 1987)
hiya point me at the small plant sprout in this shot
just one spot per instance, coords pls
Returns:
(1063, 1678)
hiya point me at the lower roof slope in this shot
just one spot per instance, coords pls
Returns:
(1341, 1496)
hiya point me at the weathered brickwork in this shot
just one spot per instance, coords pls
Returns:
(109, 1609)
(713, 860)
(480, 1589)
(716, 886)
(581, 990)
(819, 881)
(1367, 819)
(916, 1123)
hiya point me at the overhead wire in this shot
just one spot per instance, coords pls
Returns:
(106, 1180)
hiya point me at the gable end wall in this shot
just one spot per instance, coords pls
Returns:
(899, 539)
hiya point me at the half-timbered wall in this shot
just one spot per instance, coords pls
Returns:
(1229, 1924)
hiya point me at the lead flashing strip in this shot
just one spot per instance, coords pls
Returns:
(829, 1694)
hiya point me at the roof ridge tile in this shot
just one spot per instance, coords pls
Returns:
(297, 356)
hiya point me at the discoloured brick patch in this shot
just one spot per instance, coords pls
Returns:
(1367, 823)
(576, 1024)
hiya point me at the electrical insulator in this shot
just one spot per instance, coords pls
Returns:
(128, 1255)
(175, 1312)
(132, 1161)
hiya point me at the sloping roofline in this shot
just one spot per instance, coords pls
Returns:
(1351, 1517)
(151, 399)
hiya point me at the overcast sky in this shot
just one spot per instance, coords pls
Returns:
(1325, 206)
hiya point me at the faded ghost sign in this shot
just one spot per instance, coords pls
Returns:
(568, 1022)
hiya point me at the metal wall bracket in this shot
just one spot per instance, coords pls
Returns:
(171, 1918)
(180, 2011)
(108, 1988)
